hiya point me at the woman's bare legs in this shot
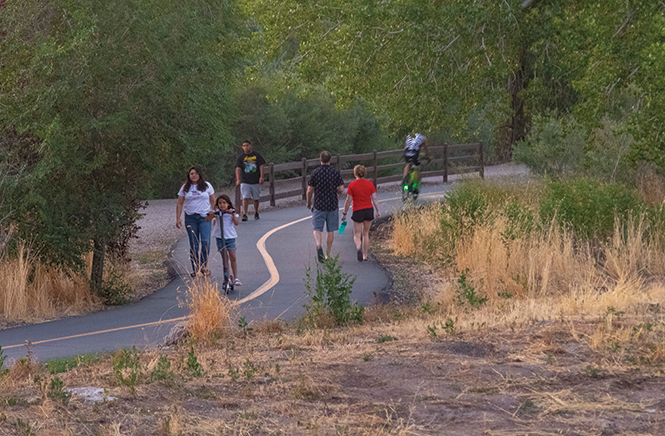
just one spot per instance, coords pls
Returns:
(366, 226)
(357, 234)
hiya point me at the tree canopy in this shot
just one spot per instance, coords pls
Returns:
(108, 92)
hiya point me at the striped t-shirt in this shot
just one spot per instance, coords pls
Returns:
(413, 144)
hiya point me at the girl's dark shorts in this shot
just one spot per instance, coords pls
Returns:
(363, 215)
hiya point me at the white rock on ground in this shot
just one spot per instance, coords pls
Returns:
(90, 394)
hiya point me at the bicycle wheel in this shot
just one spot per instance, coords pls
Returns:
(406, 188)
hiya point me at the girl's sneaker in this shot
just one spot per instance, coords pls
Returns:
(237, 282)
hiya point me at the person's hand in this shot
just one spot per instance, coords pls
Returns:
(178, 224)
(378, 214)
(261, 181)
(309, 205)
(237, 182)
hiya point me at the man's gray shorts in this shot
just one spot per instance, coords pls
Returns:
(250, 191)
(330, 218)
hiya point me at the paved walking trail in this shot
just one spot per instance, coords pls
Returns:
(273, 254)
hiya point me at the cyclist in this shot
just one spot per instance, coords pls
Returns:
(412, 154)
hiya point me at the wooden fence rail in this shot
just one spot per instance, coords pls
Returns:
(445, 160)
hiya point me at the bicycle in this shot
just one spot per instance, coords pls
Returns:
(411, 183)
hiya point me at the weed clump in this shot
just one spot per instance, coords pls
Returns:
(211, 314)
(330, 295)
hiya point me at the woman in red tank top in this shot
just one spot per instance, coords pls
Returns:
(362, 193)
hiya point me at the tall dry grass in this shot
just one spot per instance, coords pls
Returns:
(211, 314)
(543, 274)
(31, 291)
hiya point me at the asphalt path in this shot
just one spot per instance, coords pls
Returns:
(273, 256)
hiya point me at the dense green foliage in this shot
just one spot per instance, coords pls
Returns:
(434, 65)
(104, 94)
(588, 208)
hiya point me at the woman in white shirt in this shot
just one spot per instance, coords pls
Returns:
(197, 197)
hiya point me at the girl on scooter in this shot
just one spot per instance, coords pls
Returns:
(223, 229)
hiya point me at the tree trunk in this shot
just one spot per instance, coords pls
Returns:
(516, 85)
(97, 275)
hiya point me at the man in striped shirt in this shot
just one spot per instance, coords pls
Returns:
(412, 152)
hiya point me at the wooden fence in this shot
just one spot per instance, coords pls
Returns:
(446, 160)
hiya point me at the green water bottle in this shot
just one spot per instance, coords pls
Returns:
(342, 227)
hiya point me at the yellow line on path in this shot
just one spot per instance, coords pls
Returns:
(99, 332)
(265, 287)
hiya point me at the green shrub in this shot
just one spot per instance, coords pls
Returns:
(521, 219)
(162, 372)
(588, 207)
(467, 205)
(127, 368)
(555, 147)
(331, 293)
(57, 392)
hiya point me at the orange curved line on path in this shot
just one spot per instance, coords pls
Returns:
(99, 332)
(265, 287)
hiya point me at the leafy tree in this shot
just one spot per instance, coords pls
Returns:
(429, 65)
(111, 92)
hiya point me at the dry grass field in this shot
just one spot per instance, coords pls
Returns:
(539, 333)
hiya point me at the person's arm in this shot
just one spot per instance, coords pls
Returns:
(210, 216)
(376, 205)
(237, 176)
(310, 195)
(178, 211)
(347, 205)
(425, 146)
(234, 218)
(212, 197)
(262, 172)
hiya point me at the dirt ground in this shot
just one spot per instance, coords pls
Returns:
(403, 371)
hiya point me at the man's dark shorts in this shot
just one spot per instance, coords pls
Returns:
(414, 160)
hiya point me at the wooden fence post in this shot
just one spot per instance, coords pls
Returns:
(271, 177)
(482, 161)
(445, 163)
(339, 162)
(376, 169)
(304, 178)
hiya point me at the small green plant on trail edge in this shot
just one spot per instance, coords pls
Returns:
(64, 364)
(3, 370)
(449, 325)
(431, 331)
(242, 324)
(385, 338)
(129, 361)
(330, 294)
(193, 364)
(367, 357)
(467, 293)
(162, 372)
(57, 392)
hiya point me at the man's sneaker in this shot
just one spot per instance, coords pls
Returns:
(237, 282)
(244, 217)
(360, 255)
(256, 216)
(319, 253)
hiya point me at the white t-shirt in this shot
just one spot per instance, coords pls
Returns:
(229, 227)
(197, 201)
(413, 144)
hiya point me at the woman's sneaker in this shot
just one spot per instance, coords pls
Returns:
(237, 282)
